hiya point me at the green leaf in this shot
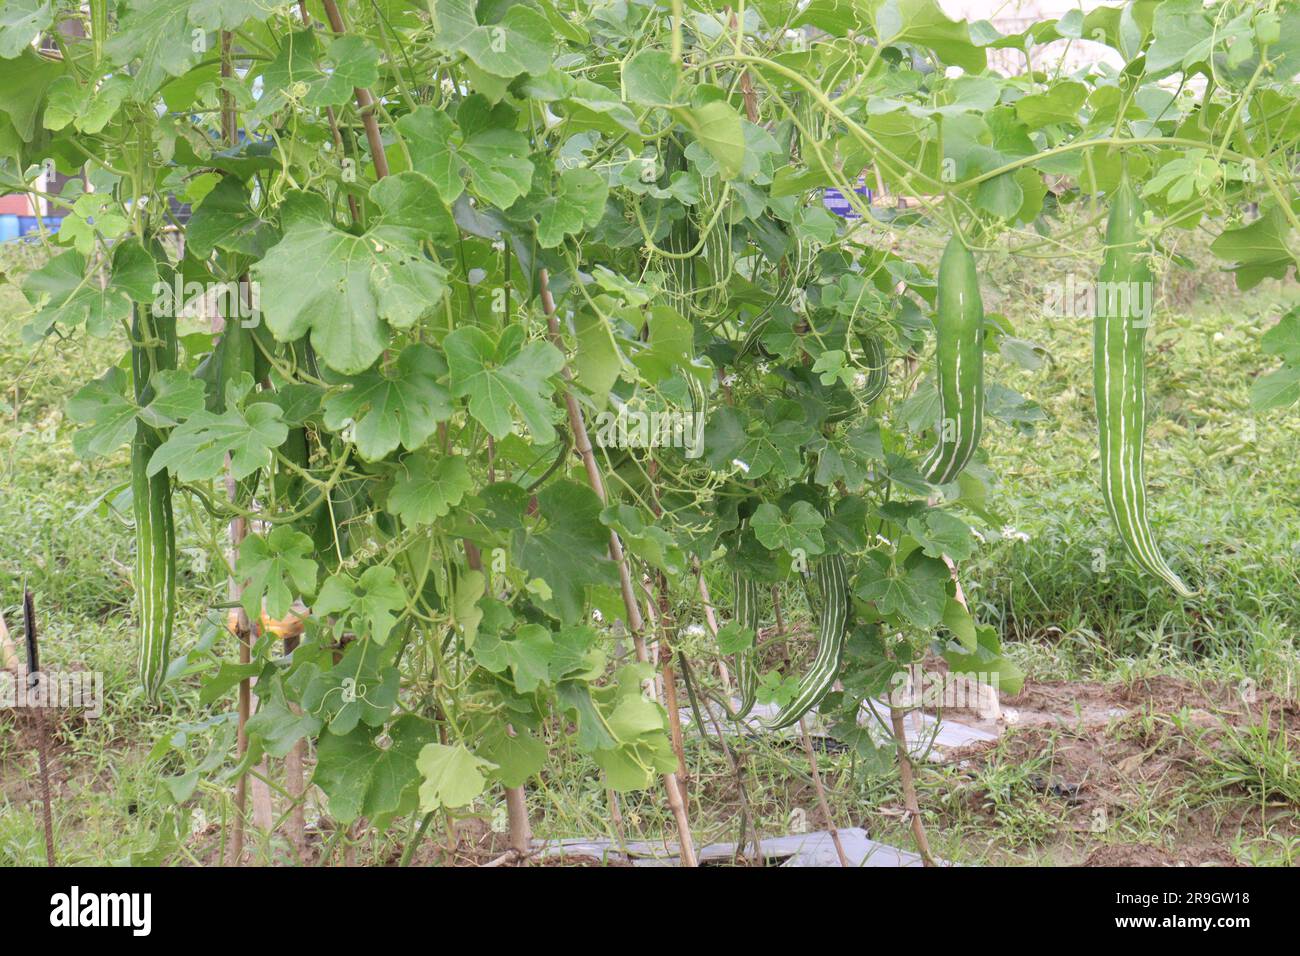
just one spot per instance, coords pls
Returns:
(570, 551)
(229, 14)
(178, 395)
(497, 376)
(387, 410)
(157, 33)
(25, 79)
(410, 199)
(1180, 29)
(1001, 195)
(343, 289)
(277, 728)
(361, 687)
(65, 292)
(1283, 339)
(1276, 389)
(108, 415)
(427, 487)
(799, 528)
(716, 127)
(917, 591)
(465, 607)
(369, 602)
(672, 345)
(576, 204)
(88, 108)
(922, 23)
(354, 63)
(522, 41)
(637, 725)
(20, 22)
(93, 218)
(734, 638)
(957, 619)
(529, 653)
(482, 146)
(1260, 250)
(1059, 104)
(598, 362)
(452, 776)
(362, 779)
(987, 660)
(578, 655)
(277, 566)
(940, 533)
(225, 220)
(196, 449)
(517, 758)
(649, 542)
(653, 78)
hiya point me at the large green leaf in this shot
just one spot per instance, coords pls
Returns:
(275, 567)
(362, 779)
(569, 551)
(716, 127)
(453, 776)
(371, 602)
(522, 41)
(344, 289)
(109, 417)
(197, 448)
(1260, 250)
(387, 408)
(576, 203)
(226, 220)
(20, 23)
(156, 33)
(427, 487)
(482, 145)
(67, 292)
(497, 376)
(916, 590)
(922, 23)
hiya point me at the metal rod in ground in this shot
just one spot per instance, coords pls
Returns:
(42, 731)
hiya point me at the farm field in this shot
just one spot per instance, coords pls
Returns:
(1189, 773)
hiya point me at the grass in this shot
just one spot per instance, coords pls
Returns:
(1069, 606)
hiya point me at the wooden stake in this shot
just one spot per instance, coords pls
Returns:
(42, 729)
(635, 623)
(821, 792)
(365, 100)
(905, 772)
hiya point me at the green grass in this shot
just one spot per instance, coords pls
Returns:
(1222, 498)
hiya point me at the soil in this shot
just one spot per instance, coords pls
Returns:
(1110, 749)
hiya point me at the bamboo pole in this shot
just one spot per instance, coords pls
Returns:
(822, 802)
(365, 100)
(635, 622)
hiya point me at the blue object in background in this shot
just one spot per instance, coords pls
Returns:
(9, 228)
(27, 225)
(833, 199)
